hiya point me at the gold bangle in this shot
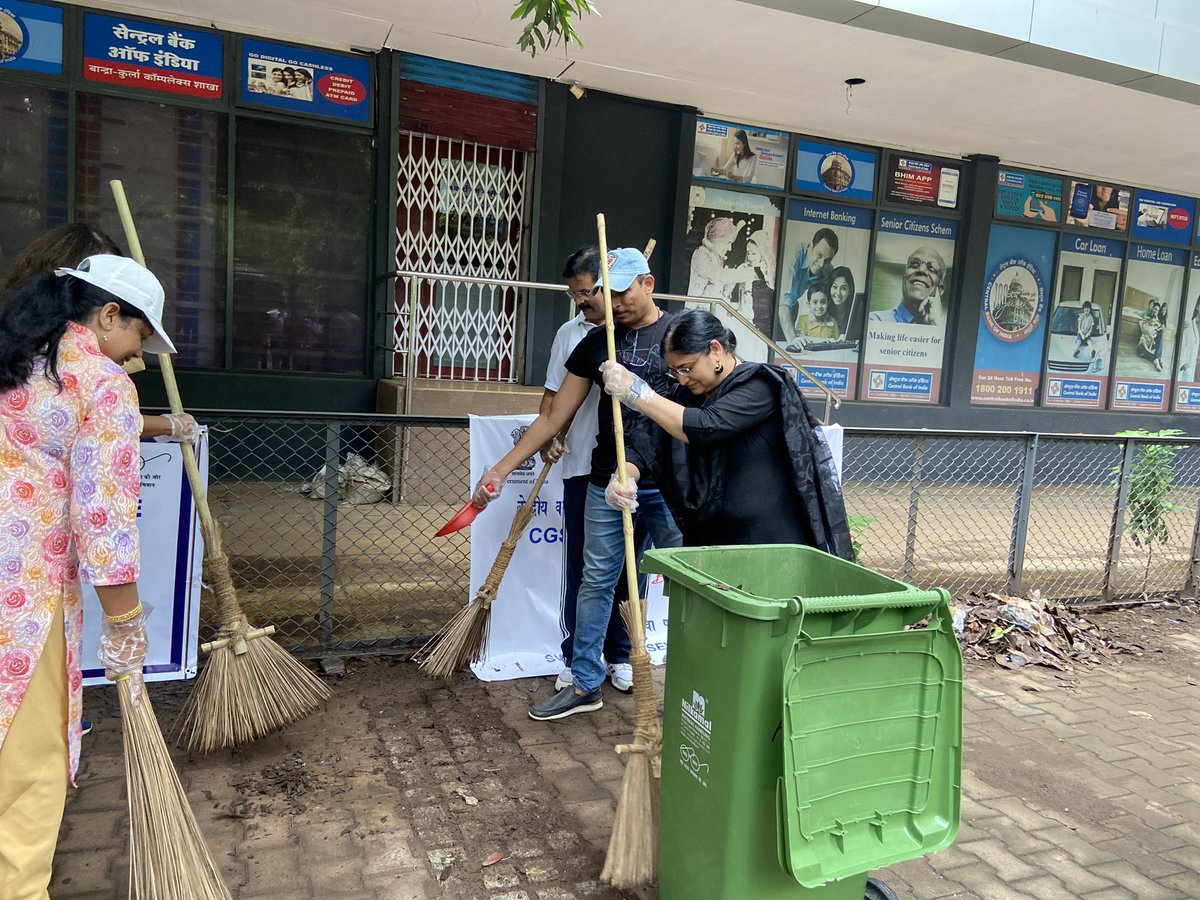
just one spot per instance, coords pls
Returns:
(124, 617)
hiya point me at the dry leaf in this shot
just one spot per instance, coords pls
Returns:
(493, 858)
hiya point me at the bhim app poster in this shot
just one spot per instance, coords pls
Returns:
(1012, 316)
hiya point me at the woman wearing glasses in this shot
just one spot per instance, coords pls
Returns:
(733, 446)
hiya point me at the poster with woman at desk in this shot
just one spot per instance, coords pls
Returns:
(823, 301)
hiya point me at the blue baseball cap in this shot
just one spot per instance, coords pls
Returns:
(625, 264)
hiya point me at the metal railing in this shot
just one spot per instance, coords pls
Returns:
(419, 327)
(1009, 513)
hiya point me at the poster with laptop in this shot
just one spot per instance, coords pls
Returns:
(1012, 316)
(1081, 322)
(824, 291)
(910, 295)
(1146, 330)
(1187, 370)
(1163, 217)
(741, 154)
(732, 244)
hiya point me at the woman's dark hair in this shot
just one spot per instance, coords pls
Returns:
(584, 261)
(740, 135)
(693, 330)
(66, 245)
(35, 317)
(842, 272)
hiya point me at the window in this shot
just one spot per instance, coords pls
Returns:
(172, 163)
(302, 222)
(33, 166)
(1072, 284)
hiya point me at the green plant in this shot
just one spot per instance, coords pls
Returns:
(1151, 476)
(550, 21)
(859, 525)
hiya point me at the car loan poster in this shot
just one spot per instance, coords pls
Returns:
(825, 254)
(1187, 374)
(1012, 317)
(743, 154)
(1027, 195)
(31, 37)
(1081, 321)
(1145, 335)
(910, 303)
(731, 245)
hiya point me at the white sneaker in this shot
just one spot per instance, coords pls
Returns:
(621, 676)
(565, 679)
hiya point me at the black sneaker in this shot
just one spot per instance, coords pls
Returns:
(566, 703)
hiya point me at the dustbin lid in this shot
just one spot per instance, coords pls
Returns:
(872, 743)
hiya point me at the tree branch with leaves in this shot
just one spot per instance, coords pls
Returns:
(550, 21)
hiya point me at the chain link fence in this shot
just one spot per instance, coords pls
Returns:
(329, 520)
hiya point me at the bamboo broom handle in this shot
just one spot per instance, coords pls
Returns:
(168, 371)
(635, 600)
(649, 249)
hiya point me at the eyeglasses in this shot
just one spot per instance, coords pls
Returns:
(685, 371)
(587, 294)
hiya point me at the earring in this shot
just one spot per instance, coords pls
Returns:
(106, 339)
(719, 368)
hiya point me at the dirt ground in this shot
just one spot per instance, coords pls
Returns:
(405, 788)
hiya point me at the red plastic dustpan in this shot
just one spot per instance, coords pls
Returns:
(462, 518)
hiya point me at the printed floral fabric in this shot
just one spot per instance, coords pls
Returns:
(69, 479)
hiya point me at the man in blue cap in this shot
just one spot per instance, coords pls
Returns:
(639, 329)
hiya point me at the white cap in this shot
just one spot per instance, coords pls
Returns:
(135, 284)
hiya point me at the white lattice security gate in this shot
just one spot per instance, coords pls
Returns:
(460, 211)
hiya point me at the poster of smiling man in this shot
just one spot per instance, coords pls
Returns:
(910, 302)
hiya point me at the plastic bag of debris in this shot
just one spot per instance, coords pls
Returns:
(359, 482)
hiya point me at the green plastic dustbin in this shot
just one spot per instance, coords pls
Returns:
(812, 724)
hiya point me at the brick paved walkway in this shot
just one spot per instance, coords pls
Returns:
(1085, 787)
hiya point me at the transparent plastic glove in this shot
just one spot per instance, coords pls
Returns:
(183, 429)
(619, 497)
(123, 650)
(488, 488)
(624, 385)
(555, 450)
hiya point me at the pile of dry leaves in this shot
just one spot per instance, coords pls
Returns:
(1024, 631)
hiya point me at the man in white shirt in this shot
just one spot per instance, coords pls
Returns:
(582, 274)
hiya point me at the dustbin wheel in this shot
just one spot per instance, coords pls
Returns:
(877, 890)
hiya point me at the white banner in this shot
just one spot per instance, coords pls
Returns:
(526, 634)
(172, 557)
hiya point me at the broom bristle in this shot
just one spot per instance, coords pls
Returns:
(460, 642)
(241, 698)
(632, 859)
(168, 857)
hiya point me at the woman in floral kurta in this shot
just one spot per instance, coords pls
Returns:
(69, 478)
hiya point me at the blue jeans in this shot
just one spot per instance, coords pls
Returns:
(616, 641)
(603, 554)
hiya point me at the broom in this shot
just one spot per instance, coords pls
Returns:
(168, 858)
(632, 849)
(251, 687)
(463, 639)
